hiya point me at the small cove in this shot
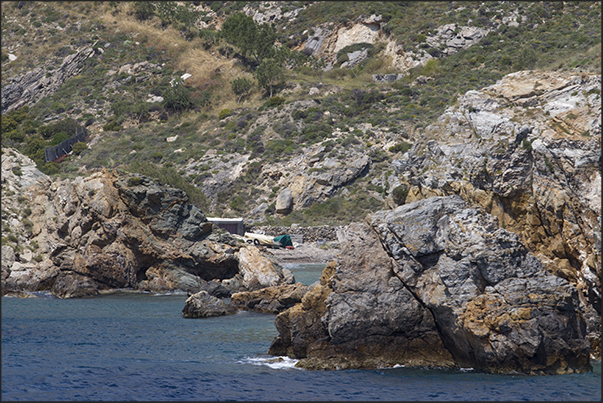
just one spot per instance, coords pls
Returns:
(128, 346)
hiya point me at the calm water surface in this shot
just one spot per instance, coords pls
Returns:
(139, 347)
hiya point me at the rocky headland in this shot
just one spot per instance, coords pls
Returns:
(438, 283)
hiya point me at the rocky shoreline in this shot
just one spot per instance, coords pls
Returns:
(437, 281)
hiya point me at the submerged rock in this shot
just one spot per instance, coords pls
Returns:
(436, 282)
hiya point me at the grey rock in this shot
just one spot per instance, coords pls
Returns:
(8, 257)
(273, 299)
(284, 202)
(216, 289)
(442, 283)
(354, 58)
(474, 276)
(74, 285)
(34, 85)
(203, 305)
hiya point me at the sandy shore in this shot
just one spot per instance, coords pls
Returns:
(305, 253)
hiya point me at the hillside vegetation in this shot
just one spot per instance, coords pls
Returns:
(167, 93)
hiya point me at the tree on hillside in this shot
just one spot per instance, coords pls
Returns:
(264, 46)
(249, 37)
(241, 86)
(241, 31)
(269, 74)
(317, 64)
(177, 96)
(143, 10)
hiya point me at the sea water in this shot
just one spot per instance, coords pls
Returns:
(128, 346)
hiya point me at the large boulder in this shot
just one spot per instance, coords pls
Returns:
(260, 270)
(284, 202)
(203, 305)
(436, 282)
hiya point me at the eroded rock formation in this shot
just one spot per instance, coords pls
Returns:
(436, 282)
(527, 150)
(113, 230)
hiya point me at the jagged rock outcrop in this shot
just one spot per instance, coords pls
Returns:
(436, 282)
(527, 150)
(37, 84)
(327, 176)
(113, 230)
(203, 305)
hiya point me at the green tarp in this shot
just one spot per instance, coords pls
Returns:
(284, 240)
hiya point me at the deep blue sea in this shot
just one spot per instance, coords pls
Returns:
(128, 346)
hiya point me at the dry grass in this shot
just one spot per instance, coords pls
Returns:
(209, 70)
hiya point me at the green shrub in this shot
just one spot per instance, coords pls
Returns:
(224, 113)
(506, 60)
(156, 156)
(237, 203)
(112, 126)
(399, 194)
(134, 181)
(299, 114)
(27, 224)
(177, 97)
(230, 126)
(400, 147)
(274, 101)
(50, 168)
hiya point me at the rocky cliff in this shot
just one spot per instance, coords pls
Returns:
(37, 84)
(80, 237)
(527, 150)
(437, 282)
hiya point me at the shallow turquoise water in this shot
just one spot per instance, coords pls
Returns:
(139, 347)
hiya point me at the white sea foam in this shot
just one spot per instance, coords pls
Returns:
(272, 362)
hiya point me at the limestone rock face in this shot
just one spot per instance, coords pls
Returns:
(527, 150)
(35, 85)
(259, 270)
(110, 231)
(203, 305)
(436, 282)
